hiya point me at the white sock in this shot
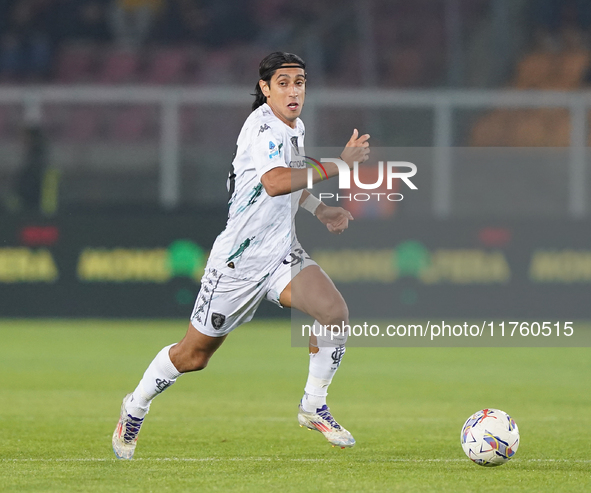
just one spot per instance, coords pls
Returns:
(160, 375)
(323, 366)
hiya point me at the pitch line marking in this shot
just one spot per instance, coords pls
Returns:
(272, 459)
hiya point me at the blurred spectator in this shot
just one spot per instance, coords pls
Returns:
(26, 44)
(275, 21)
(32, 174)
(183, 21)
(212, 23)
(133, 19)
(230, 34)
(554, 21)
(87, 20)
(230, 24)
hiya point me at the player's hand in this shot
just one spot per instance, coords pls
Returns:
(357, 149)
(336, 219)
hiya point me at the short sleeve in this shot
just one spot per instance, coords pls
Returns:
(268, 150)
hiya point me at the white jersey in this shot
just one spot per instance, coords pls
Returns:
(260, 229)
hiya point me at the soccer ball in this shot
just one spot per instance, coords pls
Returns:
(490, 437)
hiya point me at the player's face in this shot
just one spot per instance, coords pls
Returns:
(286, 93)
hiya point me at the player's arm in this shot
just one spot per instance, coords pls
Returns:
(310, 202)
(281, 180)
(305, 195)
(336, 219)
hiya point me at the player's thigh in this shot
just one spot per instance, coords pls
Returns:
(224, 303)
(313, 292)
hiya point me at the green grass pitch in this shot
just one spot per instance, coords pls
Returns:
(233, 426)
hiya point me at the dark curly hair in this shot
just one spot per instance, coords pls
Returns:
(267, 69)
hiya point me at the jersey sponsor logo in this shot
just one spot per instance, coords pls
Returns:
(300, 163)
(263, 128)
(217, 320)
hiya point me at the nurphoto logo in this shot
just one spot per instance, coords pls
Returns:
(393, 170)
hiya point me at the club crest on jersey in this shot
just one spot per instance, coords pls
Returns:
(217, 320)
(294, 143)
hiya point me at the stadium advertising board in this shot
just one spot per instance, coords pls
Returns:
(150, 266)
(392, 268)
(104, 266)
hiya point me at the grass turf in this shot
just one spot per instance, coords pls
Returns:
(233, 427)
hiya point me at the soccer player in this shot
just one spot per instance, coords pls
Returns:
(258, 256)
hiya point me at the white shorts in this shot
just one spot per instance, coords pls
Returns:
(224, 303)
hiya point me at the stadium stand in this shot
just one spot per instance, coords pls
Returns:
(80, 124)
(76, 64)
(120, 66)
(133, 124)
(562, 71)
(167, 66)
(559, 60)
(179, 51)
(86, 47)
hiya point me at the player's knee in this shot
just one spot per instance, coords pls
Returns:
(335, 313)
(194, 361)
(199, 361)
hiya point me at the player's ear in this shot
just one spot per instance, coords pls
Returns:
(265, 88)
